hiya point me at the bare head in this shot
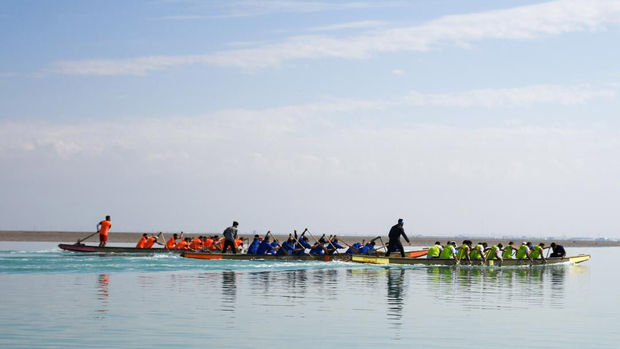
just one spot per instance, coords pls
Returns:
(235, 224)
(107, 218)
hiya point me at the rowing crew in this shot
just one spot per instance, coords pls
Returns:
(179, 242)
(482, 252)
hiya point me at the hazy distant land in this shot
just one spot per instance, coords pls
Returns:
(73, 236)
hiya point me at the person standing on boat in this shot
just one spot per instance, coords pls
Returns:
(394, 243)
(103, 228)
(230, 234)
(557, 250)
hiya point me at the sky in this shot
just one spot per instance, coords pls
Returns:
(480, 117)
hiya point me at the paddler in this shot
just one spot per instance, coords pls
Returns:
(253, 248)
(464, 251)
(302, 244)
(435, 251)
(495, 252)
(196, 243)
(449, 251)
(394, 243)
(524, 251)
(183, 244)
(557, 250)
(265, 247)
(152, 240)
(103, 228)
(142, 241)
(171, 244)
(288, 247)
(230, 235)
(477, 252)
(369, 247)
(509, 251)
(318, 249)
(538, 252)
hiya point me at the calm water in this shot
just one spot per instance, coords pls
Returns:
(51, 298)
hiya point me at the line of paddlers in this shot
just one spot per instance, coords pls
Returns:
(482, 251)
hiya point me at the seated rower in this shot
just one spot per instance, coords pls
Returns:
(142, 241)
(238, 243)
(151, 241)
(538, 251)
(495, 252)
(318, 249)
(509, 251)
(171, 244)
(557, 250)
(302, 245)
(449, 252)
(287, 248)
(464, 251)
(524, 251)
(333, 245)
(354, 249)
(253, 248)
(477, 252)
(265, 247)
(435, 251)
(218, 243)
(196, 243)
(369, 248)
(183, 244)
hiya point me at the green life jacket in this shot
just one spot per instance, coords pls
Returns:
(507, 254)
(475, 253)
(446, 252)
(522, 252)
(537, 251)
(491, 252)
(462, 252)
(434, 251)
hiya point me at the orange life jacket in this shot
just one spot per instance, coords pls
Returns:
(238, 242)
(141, 243)
(171, 243)
(182, 245)
(150, 242)
(196, 244)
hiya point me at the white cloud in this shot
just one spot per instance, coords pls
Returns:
(507, 97)
(527, 22)
(349, 25)
(398, 72)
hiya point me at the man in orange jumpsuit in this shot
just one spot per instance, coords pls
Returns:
(103, 228)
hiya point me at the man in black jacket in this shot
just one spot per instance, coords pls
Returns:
(394, 236)
(558, 250)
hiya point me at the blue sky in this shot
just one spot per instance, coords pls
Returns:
(468, 117)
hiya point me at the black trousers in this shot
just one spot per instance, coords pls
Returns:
(395, 246)
(231, 244)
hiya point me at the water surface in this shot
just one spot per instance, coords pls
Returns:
(52, 298)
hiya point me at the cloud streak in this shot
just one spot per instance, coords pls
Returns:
(522, 23)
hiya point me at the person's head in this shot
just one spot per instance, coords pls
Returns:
(266, 239)
(256, 237)
(484, 244)
(542, 244)
(372, 243)
(553, 244)
(529, 243)
(107, 218)
(464, 242)
(401, 221)
(188, 239)
(144, 235)
(235, 224)
(437, 243)
(511, 243)
(500, 245)
(175, 236)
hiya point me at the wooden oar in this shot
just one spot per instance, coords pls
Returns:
(80, 240)
(317, 241)
(329, 240)
(278, 242)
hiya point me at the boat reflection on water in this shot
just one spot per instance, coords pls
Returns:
(103, 283)
(229, 291)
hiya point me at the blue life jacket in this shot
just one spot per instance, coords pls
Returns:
(264, 248)
(253, 249)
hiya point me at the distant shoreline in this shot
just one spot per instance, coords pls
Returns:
(73, 236)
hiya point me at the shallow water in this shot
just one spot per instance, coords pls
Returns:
(62, 299)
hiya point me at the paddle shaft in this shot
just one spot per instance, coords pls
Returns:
(93, 234)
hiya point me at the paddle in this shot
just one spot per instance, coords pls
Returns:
(317, 241)
(329, 240)
(80, 240)
(278, 242)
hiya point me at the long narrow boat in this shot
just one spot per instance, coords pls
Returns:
(246, 257)
(450, 262)
(97, 249)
